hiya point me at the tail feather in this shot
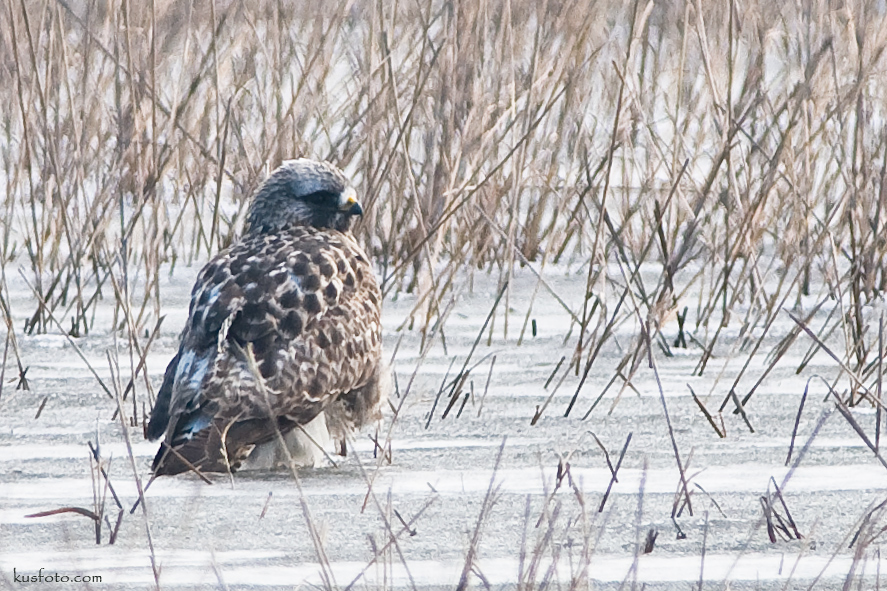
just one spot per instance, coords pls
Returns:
(221, 447)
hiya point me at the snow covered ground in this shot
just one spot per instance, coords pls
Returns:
(532, 522)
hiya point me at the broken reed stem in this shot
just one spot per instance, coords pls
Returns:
(721, 433)
(848, 416)
(674, 443)
(439, 392)
(791, 445)
(850, 373)
(483, 397)
(783, 347)
(155, 567)
(486, 507)
(70, 340)
(614, 471)
(460, 377)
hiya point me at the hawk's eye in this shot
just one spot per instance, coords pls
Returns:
(322, 198)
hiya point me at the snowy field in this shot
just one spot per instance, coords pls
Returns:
(481, 498)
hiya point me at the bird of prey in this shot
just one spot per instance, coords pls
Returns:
(283, 333)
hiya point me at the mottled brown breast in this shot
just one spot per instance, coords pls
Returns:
(308, 305)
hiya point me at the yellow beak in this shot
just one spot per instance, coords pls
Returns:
(348, 202)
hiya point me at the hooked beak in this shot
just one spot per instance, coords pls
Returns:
(348, 202)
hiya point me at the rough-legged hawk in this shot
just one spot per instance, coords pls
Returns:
(283, 335)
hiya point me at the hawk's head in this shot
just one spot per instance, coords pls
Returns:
(303, 193)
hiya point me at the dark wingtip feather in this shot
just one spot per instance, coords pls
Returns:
(160, 413)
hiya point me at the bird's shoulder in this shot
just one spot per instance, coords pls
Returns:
(278, 283)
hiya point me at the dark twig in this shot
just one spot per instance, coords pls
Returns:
(614, 471)
(791, 446)
(707, 414)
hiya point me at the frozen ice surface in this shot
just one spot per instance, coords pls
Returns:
(252, 531)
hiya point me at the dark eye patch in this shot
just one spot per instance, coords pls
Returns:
(322, 198)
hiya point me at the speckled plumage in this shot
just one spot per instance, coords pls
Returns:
(297, 293)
